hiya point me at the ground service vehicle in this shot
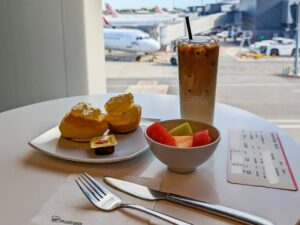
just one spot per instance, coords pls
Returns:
(276, 47)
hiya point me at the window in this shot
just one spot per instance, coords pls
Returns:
(256, 55)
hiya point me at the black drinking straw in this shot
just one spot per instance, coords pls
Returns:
(188, 26)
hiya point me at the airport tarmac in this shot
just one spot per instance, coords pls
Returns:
(253, 85)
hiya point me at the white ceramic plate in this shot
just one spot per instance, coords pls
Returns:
(52, 143)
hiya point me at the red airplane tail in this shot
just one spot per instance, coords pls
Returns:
(111, 11)
(106, 23)
(159, 10)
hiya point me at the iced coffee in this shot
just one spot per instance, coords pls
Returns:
(198, 65)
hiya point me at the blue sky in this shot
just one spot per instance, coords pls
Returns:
(121, 4)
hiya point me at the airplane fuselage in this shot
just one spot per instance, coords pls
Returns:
(131, 40)
(139, 21)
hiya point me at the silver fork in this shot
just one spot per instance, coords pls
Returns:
(107, 201)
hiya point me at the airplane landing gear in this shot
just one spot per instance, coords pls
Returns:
(138, 58)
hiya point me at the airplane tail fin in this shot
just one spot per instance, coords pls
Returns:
(159, 10)
(106, 23)
(111, 11)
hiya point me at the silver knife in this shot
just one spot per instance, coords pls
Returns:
(152, 194)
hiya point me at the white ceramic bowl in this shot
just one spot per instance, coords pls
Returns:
(184, 160)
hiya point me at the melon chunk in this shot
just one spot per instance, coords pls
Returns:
(184, 141)
(182, 130)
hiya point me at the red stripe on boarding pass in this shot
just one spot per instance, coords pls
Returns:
(287, 163)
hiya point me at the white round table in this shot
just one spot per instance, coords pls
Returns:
(29, 177)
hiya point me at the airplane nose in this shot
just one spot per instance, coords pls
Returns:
(157, 45)
(154, 46)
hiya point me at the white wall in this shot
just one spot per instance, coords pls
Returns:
(50, 49)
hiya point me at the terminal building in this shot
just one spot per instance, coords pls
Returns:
(264, 18)
(268, 18)
(203, 20)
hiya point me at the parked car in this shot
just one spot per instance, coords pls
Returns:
(276, 47)
(223, 35)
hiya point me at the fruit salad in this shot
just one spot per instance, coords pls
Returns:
(181, 136)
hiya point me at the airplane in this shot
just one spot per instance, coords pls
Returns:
(112, 12)
(144, 20)
(130, 40)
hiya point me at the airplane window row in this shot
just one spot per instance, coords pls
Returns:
(141, 38)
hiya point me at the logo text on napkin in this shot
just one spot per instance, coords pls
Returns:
(57, 219)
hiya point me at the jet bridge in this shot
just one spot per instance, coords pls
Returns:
(170, 32)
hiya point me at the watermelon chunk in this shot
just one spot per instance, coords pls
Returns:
(182, 130)
(160, 134)
(201, 138)
(184, 141)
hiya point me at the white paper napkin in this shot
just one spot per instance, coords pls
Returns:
(69, 206)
